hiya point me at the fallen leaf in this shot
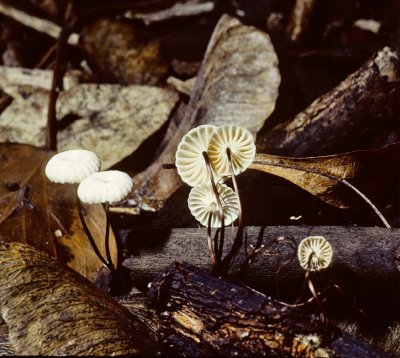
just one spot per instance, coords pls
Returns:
(110, 116)
(43, 214)
(237, 84)
(371, 171)
(62, 313)
(118, 51)
(20, 76)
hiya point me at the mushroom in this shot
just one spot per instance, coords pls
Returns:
(231, 150)
(72, 166)
(203, 205)
(189, 157)
(106, 187)
(206, 206)
(314, 253)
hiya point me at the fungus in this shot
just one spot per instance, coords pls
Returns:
(206, 202)
(72, 166)
(106, 187)
(189, 158)
(203, 205)
(231, 150)
(314, 253)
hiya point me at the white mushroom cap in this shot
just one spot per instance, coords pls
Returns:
(72, 166)
(105, 187)
(189, 158)
(202, 202)
(241, 144)
(314, 253)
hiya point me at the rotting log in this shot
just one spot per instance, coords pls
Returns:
(365, 267)
(51, 310)
(367, 101)
(233, 320)
(360, 253)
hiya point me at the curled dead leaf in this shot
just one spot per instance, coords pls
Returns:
(371, 171)
(237, 84)
(116, 49)
(43, 214)
(62, 313)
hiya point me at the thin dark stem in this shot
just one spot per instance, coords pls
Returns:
(89, 235)
(56, 85)
(107, 237)
(333, 177)
(209, 243)
(237, 243)
(220, 209)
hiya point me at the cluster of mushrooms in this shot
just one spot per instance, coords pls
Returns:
(82, 168)
(207, 156)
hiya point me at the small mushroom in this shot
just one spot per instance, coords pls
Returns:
(189, 158)
(203, 204)
(233, 144)
(72, 166)
(314, 253)
(108, 187)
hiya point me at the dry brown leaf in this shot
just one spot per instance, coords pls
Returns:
(371, 171)
(237, 84)
(50, 310)
(117, 50)
(43, 214)
(111, 116)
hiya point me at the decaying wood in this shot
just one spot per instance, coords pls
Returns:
(359, 252)
(50, 310)
(364, 102)
(365, 266)
(233, 320)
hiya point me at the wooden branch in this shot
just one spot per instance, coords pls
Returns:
(364, 102)
(365, 253)
(233, 320)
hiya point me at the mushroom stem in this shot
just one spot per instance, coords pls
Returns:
(107, 236)
(237, 243)
(220, 209)
(90, 237)
(210, 246)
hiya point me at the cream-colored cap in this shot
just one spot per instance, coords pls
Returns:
(241, 144)
(202, 203)
(109, 186)
(189, 159)
(314, 253)
(72, 166)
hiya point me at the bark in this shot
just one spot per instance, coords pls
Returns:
(364, 103)
(233, 320)
(361, 254)
(365, 266)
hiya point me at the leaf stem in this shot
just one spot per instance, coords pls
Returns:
(333, 177)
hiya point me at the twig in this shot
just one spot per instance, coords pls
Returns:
(56, 86)
(41, 25)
